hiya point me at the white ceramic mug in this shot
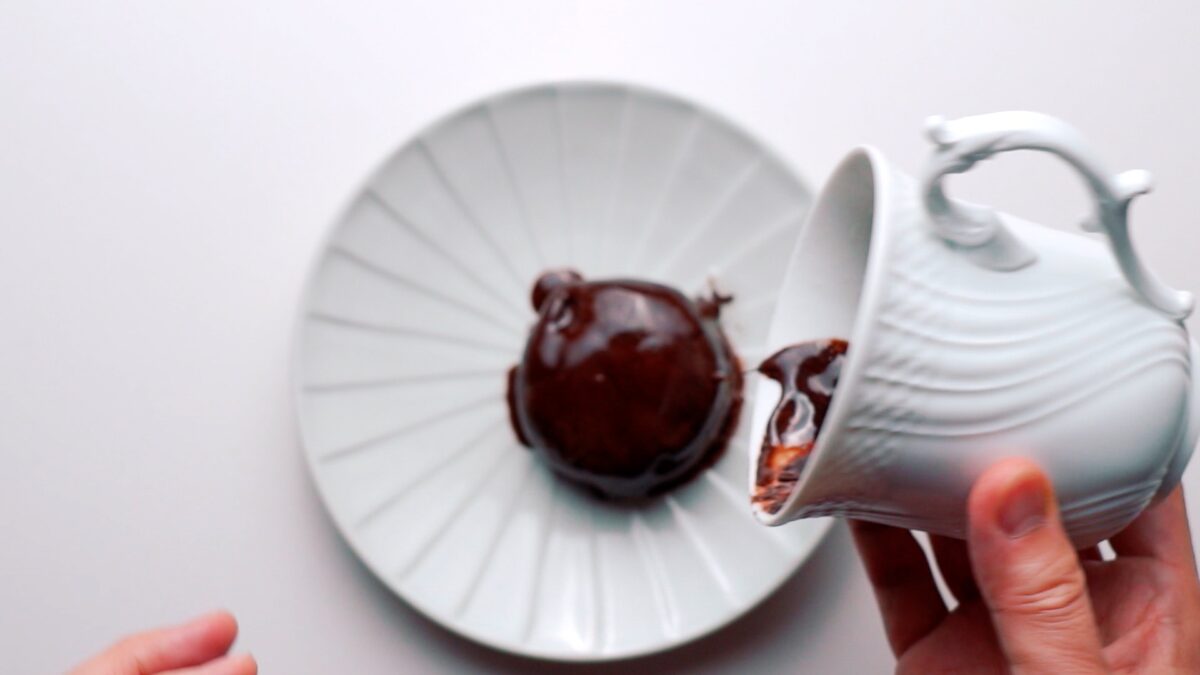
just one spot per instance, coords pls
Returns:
(975, 335)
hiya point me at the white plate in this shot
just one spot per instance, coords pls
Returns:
(419, 304)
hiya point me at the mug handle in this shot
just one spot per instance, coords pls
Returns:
(979, 232)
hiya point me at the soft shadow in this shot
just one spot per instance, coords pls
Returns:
(806, 599)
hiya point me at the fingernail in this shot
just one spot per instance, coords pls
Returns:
(1025, 507)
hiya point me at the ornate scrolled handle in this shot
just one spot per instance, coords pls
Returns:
(978, 230)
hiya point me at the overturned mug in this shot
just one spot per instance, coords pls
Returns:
(974, 335)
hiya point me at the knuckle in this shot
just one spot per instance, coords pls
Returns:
(1051, 595)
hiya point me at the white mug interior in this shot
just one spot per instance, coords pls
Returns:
(831, 284)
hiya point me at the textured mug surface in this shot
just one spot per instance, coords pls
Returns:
(954, 364)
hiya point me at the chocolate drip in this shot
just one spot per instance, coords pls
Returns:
(808, 373)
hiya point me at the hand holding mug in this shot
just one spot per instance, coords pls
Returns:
(1027, 601)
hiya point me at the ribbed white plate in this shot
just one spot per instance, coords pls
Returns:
(419, 304)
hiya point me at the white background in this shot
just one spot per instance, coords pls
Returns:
(167, 169)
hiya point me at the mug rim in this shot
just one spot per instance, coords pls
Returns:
(804, 497)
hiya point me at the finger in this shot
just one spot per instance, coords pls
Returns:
(904, 588)
(198, 641)
(1160, 532)
(236, 664)
(954, 563)
(1029, 574)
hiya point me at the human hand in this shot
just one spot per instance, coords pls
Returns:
(1028, 602)
(197, 647)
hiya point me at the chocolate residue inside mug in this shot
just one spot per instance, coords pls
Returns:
(808, 373)
(626, 387)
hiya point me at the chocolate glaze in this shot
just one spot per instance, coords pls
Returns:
(625, 387)
(808, 373)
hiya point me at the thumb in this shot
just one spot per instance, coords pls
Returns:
(1028, 573)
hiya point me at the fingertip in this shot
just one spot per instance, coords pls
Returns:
(999, 477)
(1009, 503)
(196, 641)
(997, 487)
(1028, 572)
(244, 664)
(216, 630)
(221, 619)
(224, 619)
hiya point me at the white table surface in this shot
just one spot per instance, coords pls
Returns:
(167, 169)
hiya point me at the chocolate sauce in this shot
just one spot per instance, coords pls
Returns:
(626, 386)
(808, 373)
